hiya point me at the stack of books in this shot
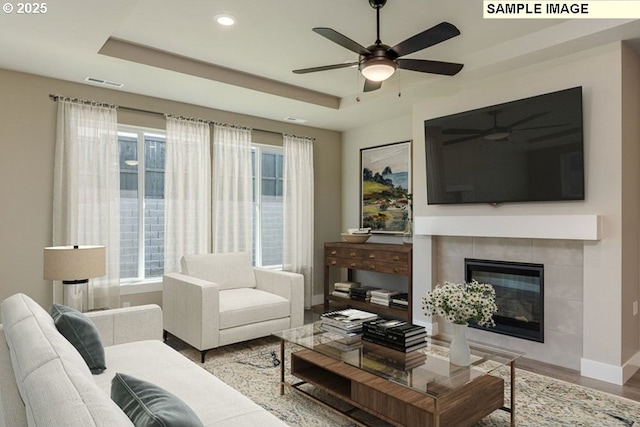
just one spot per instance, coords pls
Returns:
(385, 358)
(395, 334)
(362, 293)
(344, 344)
(382, 296)
(346, 322)
(400, 301)
(343, 289)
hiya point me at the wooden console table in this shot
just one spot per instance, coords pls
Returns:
(372, 257)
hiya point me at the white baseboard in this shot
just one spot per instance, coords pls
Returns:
(610, 373)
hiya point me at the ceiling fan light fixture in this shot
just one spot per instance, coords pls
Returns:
(495, 136)
(379, 61)
(378, 69)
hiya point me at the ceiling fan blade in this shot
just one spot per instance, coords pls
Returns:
(527, 119)
(371, 85)
(342, 40)
(554, 135)
(326, 67)
(541, 127)
(463, 139)
(463, 131)
(433, 67)
(434, 35)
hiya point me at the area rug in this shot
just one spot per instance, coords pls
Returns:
(253, 368)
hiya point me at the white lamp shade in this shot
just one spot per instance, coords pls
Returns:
(74, 263)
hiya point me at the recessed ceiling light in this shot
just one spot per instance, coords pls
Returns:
(225, 19)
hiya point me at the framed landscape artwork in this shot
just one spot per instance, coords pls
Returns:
(385, 174)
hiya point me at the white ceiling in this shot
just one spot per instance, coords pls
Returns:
(273, 38)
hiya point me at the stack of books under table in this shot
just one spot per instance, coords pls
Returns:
(346, 322)
(382, 296)
(395, 334)
(343, 289)
(362, 293)
(400, 301)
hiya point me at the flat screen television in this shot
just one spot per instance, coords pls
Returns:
(521, 151)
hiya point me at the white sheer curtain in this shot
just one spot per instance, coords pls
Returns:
(298, 210)
(86, 196)
(232, 190)
(187, 183)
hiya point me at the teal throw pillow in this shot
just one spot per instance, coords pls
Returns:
(148, 405)
(82, 333)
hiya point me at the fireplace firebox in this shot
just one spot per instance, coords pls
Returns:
(519, 296)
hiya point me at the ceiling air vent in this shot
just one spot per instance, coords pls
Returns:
(103, 82)
(294, 120)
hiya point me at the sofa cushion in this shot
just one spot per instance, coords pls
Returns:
(148, 405)
(213, 401)
(246, 306)
(29, 330)
(82, 333)
(229, 270)
(55, 383)
(12, 411)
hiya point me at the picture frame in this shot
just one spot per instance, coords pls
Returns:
(385, 187)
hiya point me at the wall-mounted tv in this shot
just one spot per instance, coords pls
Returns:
(520, 151)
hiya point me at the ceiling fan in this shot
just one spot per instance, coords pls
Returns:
(496, 132)
(378, 62)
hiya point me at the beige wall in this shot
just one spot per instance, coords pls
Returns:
(609, 77)
(27, 139)
(598, 71)
(387, 132)
(630, 201)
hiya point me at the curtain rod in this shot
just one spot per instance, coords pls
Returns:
(54, 97)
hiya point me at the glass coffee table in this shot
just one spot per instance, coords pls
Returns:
(404, 389)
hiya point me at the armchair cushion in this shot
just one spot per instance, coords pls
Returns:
(228, 270)
(245, 306)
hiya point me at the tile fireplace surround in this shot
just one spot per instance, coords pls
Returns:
(555, 241)
(562, 261)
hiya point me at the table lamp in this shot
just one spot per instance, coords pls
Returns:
(74, 265)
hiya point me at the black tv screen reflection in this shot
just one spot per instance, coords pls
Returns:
(521, 151)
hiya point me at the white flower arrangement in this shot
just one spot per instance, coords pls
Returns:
(462, 303)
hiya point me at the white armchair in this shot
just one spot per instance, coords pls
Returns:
(221, 299)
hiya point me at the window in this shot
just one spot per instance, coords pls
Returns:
(267, 163)
(141, 261)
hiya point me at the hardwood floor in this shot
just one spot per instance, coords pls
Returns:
(630, 390)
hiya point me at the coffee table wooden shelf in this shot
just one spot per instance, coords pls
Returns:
(430, 393)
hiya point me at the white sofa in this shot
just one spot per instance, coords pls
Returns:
(221, 299)
(45, 382)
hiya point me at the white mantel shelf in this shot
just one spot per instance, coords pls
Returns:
(570, 227)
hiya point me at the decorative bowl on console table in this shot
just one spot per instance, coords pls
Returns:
(355, 238)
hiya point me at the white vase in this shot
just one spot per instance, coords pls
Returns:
(459, 353)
